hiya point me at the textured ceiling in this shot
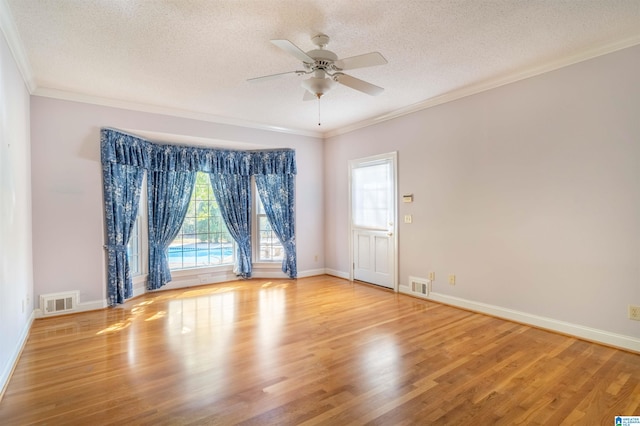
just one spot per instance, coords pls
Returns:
(193, 57)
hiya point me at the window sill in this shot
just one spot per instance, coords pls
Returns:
(268, 265)
(177, 273)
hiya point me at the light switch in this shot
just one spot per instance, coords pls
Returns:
(408, 218)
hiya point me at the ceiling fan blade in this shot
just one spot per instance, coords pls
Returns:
(294, 50)
(361, 61)
(357, 84)
(272, 76)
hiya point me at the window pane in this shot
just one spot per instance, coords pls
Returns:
(269, 246)
(264, 223)
(191, 211)
(203, 239)
(133, 249)
(260, 207)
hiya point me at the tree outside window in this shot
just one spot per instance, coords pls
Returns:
(203, 239)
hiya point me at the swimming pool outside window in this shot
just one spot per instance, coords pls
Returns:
(203, 239)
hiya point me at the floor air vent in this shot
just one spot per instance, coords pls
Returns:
(419, 285)
(58, 303)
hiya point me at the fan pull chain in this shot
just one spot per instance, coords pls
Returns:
(318, 95)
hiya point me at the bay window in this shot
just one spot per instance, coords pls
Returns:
(199, 209)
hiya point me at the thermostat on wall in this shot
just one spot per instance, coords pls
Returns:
(407, 198)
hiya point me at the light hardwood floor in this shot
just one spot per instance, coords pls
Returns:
(318, 350)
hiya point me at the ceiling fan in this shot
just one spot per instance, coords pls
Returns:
(327, 69)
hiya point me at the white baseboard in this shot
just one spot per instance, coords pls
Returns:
(92, 306)
(587, 333)
(13, 359)
(269, 274)
(138, 291)
(311, 273)
(185, 281)
(338, 274)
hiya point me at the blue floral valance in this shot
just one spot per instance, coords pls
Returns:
(279, 162)
(125, 149)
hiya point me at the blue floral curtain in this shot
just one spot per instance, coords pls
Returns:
(275, 181)
(233, 193)
(171, 170)
(122, 183)
(168, 194)
(122, 186)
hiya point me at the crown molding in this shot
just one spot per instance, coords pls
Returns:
(16, 46)
(173, 112)
(489, 84)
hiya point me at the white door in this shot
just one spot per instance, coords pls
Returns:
(373, 220)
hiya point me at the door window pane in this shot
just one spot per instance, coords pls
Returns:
(371, 192)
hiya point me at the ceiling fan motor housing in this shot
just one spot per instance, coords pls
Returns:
(320, 40)
(324, 59)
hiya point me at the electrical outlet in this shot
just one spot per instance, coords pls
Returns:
(452, 279)
(634, 312)
(432, 276)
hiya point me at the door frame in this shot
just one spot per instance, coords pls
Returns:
(393, 156)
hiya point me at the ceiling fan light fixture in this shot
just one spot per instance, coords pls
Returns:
(318, 86)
